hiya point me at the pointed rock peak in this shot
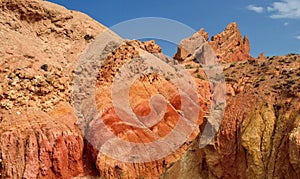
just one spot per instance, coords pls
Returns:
(229, 45)
(231, 26)
(246, 45)
(203, 34)
(246, 39)
(261, 56)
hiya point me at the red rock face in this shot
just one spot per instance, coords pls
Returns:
(229, 45)
(162, 124)
(40, 44)
(36, 68)
(39, 137)
(259, 132)
(34, 144)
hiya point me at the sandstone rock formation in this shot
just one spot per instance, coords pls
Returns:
(35, 144)
(40, 46)
(229, 46)
(261, 56)
(259, 133)
(139, 97)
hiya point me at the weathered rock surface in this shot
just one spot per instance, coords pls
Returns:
(139, 98)
(259, 134)
(229, 45)
(35, 144)
(40, 44)
(39, 137)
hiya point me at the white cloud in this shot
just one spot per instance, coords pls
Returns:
(270, 9)
(298, 37)
(257, 9)
(286, 24)
(285, 9)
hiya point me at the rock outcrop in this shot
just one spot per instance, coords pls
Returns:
(143, 89)
(261, 56)
(41, 43)
(35, 144)
(259, 135)
(40, 46)
(229, 45)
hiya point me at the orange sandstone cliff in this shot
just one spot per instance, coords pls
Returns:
(40, 136)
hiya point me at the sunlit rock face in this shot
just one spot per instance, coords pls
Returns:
(229, 45)
(40, 46)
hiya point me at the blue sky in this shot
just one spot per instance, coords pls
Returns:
(273, 27)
